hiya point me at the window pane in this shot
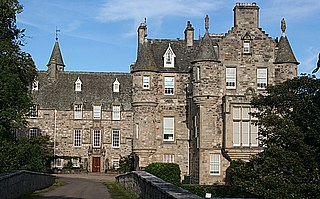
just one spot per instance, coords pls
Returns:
(78, 111)
(214, 164)
(254, 135)
(168, 128)
(77, 138)
(116, 113)
(236, 113)
(245, 113)
(116, 138)
(96, 112)
(231, 78)
(96, 138)
(146, 82)
(262, 79)
(169, 85)
(245, 133)
(236, 133)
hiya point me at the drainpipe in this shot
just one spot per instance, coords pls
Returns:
(54, 137)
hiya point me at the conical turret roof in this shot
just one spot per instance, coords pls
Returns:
(145, 59)
(56, 55)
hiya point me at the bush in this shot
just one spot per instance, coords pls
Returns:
(126, 164)
(169, 172)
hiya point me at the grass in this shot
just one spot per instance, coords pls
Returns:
(118, 192)
(35, 194)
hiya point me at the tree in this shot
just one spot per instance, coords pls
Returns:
(289, 123)
(17, 70)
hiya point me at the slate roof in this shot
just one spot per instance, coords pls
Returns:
(285, 53)
(157, 48)
(97, 88)
(56, 55)
(206, 51)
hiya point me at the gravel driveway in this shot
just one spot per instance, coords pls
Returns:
(81, 186)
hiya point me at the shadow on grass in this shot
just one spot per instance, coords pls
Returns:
(118, 192)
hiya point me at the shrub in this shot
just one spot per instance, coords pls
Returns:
(169, 172)
(126, 164)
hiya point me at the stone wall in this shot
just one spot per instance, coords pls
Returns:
(147, 186)
(14, 185)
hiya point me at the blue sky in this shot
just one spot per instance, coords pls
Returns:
(101, 35)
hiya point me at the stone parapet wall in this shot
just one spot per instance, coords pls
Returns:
(16, 184)
(147, 186)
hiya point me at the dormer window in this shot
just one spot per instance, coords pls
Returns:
(168, 58)
(116, 86)
(35, 85)
(78, 85)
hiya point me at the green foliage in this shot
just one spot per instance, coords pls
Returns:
(24, 154)
(17, 70)
(169, 172)
(289, 119)
(126, 164)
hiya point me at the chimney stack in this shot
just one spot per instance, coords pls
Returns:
(189, 34)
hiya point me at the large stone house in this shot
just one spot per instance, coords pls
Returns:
(184, 101)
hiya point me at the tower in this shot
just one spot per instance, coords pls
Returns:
(55, 62)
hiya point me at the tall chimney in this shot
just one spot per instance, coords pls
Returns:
(189, 34)
(246, 14)
(142, 33)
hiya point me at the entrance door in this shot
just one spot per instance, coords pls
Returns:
(95, 164)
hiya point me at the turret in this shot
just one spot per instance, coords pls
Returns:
(189, 34)
(55, 62)
(246, 15)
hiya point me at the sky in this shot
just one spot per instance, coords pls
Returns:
(101, 35)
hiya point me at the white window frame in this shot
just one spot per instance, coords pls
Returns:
(115, 164)
(168, 158)
(116, 112)
(168, 58)
(96, 138)
(245, 132)
(78, 111)
(77, 138)
(33, 132)
(146, 82)
(78, 85)
(231, 78)
(168, 85)
(262, 78)
(58, 162)
(137, 131)
(215, 164)
(116, 86)
(198, 73)
(96, 112)
(115, 138)
(75, 162)
(35, 85)
(246, 47)
(33, 111)
(168, 128)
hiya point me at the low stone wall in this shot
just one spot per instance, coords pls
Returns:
(147, 186)
(16, 184)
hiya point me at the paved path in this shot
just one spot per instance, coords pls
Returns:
(81, 186)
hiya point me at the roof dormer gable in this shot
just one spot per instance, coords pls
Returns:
(168, 58)
(116, 86)
(78, 85)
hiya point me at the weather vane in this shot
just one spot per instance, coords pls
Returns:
(57, 31)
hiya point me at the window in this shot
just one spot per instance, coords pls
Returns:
(168, 158)
(146, 82)
(137, 131)
(231, 78)
(115, 138)
(35, 85)
(262, 78)
(77, 138)
(246, 47)
(33, 111)
(78, 111)
(115, 164)
(197, 73)
(96, 112)
(168, 85)
(78, 85)
(75, 162)
(116, 86)
(168, 58)
(96, 138)
(58, 162)
(214, 164)
(245, 132)
(168, 129)
(116, 113)
(33, 132)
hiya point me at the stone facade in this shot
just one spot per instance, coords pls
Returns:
(184, 101)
